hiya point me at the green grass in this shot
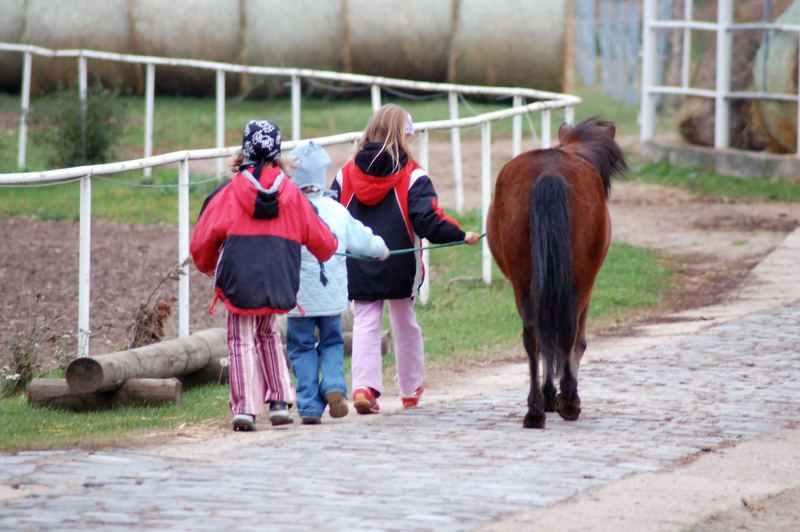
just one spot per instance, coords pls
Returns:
(700, 182)
(26, 427)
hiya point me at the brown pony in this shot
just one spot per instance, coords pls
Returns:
(549, 231)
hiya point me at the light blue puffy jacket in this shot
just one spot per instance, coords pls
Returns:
(314, 298)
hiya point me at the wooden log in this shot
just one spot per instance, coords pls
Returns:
(56, 393)
(149, 392)
(179, 356)
(215, 372)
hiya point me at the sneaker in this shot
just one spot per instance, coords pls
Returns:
(311, 421)
(244, 422)
(365, 401)
(279, 413)
(337, 406)
(413, 400)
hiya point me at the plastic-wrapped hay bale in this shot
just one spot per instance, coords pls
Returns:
(195, 29)
(696, 115)
(409, 39)
(98, 24)
(776, 71)
(11, 25)
(514, 42)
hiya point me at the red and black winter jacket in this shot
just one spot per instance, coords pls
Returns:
(400, 206)
(254, 257)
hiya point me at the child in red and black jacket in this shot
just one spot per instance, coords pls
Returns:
(249, 235)
(385, 189)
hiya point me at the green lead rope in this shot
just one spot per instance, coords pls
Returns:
(402, 251)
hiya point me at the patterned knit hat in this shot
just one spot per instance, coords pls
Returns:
(261, 141)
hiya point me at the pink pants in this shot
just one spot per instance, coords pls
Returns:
(258, 369)
(408, 350)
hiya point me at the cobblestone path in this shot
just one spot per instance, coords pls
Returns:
(447, 466)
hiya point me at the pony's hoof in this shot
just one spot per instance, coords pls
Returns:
(569, 410)
(533, 421)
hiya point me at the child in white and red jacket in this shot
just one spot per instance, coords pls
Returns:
(317, 360)
(383, 187)
(249, 235)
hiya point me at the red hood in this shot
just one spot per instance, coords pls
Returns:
(370, 190)
(246, 192)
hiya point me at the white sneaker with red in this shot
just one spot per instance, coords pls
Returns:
(413, 400)
(365, 401)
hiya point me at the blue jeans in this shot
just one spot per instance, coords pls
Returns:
(309, 359)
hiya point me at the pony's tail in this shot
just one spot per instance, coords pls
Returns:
(552, 286)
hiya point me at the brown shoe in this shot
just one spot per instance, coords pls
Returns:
(337, 406)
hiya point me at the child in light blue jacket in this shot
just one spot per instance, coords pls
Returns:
(323, 295)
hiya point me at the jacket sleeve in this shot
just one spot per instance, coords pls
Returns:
(361, 239)
(427, 218)
(207, 239)
(318, 238)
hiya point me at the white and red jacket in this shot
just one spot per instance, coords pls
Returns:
(401, 207)
(255, 257)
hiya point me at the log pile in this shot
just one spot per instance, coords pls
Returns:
(154, 374)
(150, 375)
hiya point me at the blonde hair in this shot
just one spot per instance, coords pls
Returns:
(387, 125)
(238, 160)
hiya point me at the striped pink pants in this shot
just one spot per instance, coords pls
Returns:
(258, 370)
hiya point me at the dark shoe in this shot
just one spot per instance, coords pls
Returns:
(365, 401)
(337, 406)
(311, 421)
(244, 423)
(279, 413)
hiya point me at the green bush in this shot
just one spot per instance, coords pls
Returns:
(59, 125)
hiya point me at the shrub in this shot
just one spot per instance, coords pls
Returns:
(60, 126)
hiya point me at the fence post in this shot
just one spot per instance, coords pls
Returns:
(83, 87)
(647, 112)
(24, 107)
(295, 107)
(686, 60)
(183, 247)
(798, 104)
(84, 264)
(375, 91)
(546, 127)
(455, 141)
(486, 183)
(424, 160)
(149, 110)
(516, 129)
(220, 117)
(724, 50)
(569, 115)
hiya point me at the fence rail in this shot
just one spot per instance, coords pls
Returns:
(722, 93)
(547, 102)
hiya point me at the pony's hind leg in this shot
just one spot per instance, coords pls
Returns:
(568, 402)
(549, 388)
(535, 417)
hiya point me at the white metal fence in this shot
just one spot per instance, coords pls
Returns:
(722, 94)
(545, 104)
